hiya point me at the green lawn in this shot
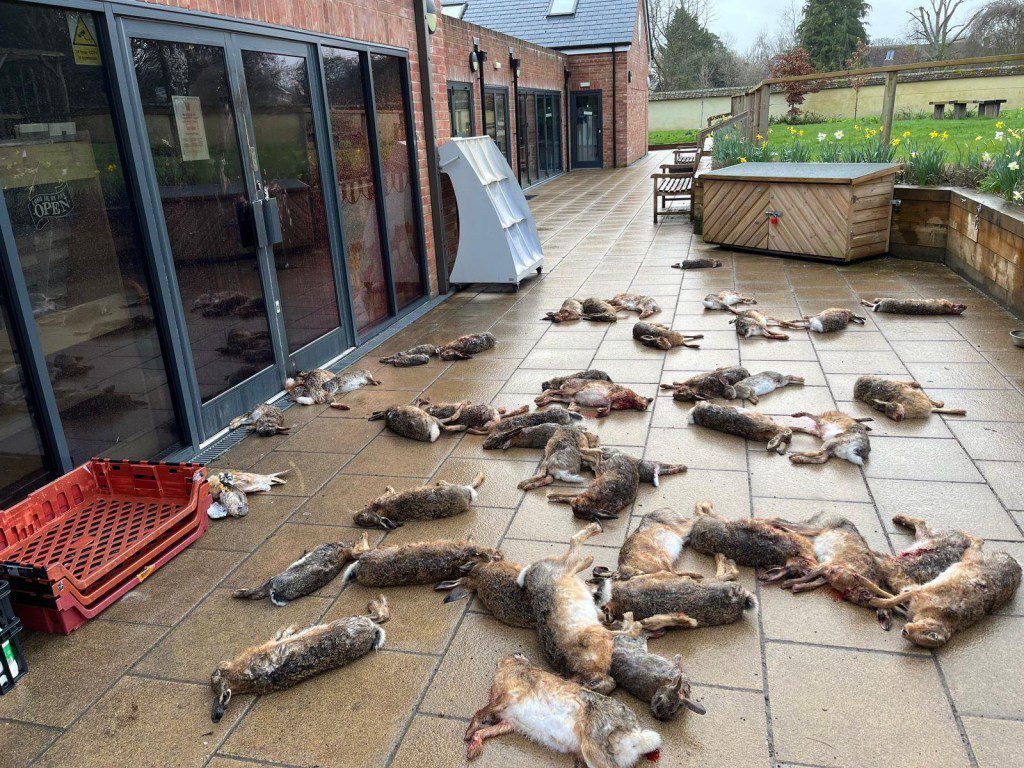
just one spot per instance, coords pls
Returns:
(671, 137)
(962, 133)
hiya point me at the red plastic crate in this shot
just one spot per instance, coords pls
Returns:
(65, 614)
(87, 538)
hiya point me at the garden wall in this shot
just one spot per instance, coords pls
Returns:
(977, 235)
(691, 109)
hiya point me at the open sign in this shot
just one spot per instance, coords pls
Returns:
(47, 206)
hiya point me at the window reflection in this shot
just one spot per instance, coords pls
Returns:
(77, 236)
(282, 118)
(395, 135)
(356, 187)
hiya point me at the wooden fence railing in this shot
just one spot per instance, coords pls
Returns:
(757, 101)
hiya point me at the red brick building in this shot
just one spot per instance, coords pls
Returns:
(218, 193)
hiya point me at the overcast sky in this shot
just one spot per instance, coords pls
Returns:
(739, 21)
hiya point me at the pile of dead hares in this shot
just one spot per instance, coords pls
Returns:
(594, 624)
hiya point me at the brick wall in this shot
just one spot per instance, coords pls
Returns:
(638, 62)
(384, 22)
(541, 69)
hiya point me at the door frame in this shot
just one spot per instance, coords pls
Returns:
(457, 85)
(503, 91)
(573, 96)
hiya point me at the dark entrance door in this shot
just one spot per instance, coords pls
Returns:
(587, 146)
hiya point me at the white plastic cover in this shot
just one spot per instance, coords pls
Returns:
(498, 240)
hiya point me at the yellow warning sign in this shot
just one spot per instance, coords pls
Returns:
(84, 43)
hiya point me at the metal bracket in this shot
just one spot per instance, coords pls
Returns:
(773, 214)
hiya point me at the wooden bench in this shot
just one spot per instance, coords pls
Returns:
(687, 154)
(988, 107)
(672, 185)
(939, 109)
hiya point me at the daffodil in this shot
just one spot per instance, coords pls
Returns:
(906, 134)
(977, 138)
(945, 135)
(759, 137)
(856, 127)
(999, 124)
(792, 129)
(801, 132)
(895, 142)
(743, 159)
(999, 136)
(839, 134)
(934, 134)
(986, 157)
(1014, 166)
(821, 137)
(1018, 196)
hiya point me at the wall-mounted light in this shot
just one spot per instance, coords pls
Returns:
(497, 65)
(629, 76)
(474, 61)
(516, 65)
(430, 11)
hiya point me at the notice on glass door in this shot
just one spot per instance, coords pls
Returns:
(188, 117)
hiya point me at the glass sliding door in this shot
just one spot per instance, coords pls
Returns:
(284, 132)
(357, 189)
(532, 160)
(78, 245)
(394, 139)
(522, 140)
(190, 115)
(496, 114)
(587, 147)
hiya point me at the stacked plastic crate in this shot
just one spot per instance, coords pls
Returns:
(75, 546)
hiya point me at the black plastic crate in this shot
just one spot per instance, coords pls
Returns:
(12, 659)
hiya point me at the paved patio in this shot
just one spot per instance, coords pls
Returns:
(803, 681)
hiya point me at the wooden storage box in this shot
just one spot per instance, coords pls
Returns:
(836, 211)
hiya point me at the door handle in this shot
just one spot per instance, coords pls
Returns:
(246, 223)
(272, 221)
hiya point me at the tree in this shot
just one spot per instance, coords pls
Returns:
(796, 62)
(830, 29)
(936, 28)
(770, 42)
(998, 28)
(859, 60)
(660, 15)
(693, 57)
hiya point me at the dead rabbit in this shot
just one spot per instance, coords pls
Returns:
(705, 386)
(899, 400)
(599, 311)
(915, 306)
(574, 640)
(753, 388)
(476, 418)
(726, 299)
(741, 422)
(662, 337)
(572, 309)
(599, 731)
(420, 562)
(495, 586)
(750, 323)
(663, 600)
(320, 386)
(295, 655)
(655, 545)
(265, 420)
(963, 594)
(649, 470)
(565, 454)
(616, 486)
(414, 423)
(312, 571)
(428, 502)
(698, 264)
(753, 542)
(602, 396)
(648, 676)
(556, 415)
(841, 435)
(418, 355)
(592, 374)
(635, 302)
(532, 437)
(464, 347)
(831, 320)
